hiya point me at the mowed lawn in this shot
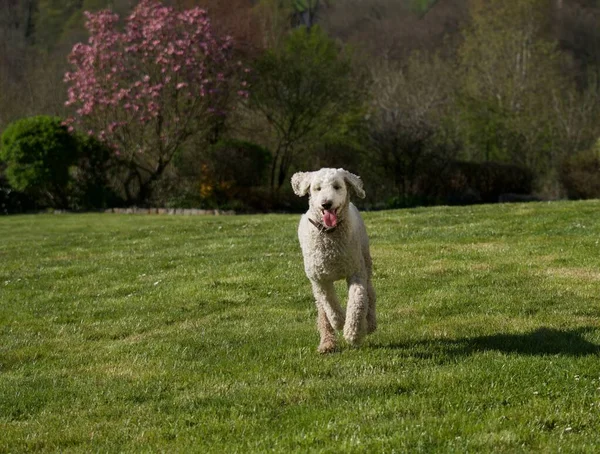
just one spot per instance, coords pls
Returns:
(146, 333)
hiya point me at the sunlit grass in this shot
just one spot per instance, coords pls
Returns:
(197, 334)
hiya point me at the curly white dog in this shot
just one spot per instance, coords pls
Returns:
(335, 246)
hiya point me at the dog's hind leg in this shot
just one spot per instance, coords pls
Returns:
(356, 314)
(371, 312)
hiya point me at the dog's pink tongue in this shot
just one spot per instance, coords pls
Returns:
(329, 218)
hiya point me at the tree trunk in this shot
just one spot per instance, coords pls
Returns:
(29, 20)
(274, 165)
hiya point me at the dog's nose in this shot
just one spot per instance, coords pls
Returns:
(327, 204)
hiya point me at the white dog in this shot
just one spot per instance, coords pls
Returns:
(335, 246)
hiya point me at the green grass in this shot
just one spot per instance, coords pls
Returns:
(126, 333)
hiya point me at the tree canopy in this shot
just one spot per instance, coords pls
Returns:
(147, 89)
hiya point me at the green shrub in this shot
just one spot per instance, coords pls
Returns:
(45, 165)
(96, 167)
(491, 179)
(230, 174)
(461, 182)
(580, 174)
(38, 153)
(11, 200)
(245, 164)
(336, 154)
(233, 171)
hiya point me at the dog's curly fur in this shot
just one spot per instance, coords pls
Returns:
(335, 246)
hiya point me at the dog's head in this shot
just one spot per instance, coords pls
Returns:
(328, 190)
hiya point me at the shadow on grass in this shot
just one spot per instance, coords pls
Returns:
(543, 341)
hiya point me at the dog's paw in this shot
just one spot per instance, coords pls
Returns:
(353, 338)
(326, 347)
(371, 326)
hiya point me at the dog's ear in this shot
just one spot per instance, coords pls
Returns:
(301, 183)
(354, 182)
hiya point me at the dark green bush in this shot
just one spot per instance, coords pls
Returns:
(463, 183)
(336, 154)
(11, 200)
(45, 165)
(234, 171)
(489, 180)
(38, 153)
(95, 168)
(231, 174)
(242, 163)
(580, 174)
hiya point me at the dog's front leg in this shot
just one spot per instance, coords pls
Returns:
(329, 316)
(326, 331)
(356, 313)
(327, 299)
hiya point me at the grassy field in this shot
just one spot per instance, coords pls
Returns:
(130, 333)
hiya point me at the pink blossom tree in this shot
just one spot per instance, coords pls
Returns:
(149, 88)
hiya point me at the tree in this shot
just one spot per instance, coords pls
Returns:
(407, 131)
(273, 17)
(278, 17)
(50, 19)
(151, 88)
(60, 23)
(306, 92)
(305, 12)
(577, 26)
(234, 18)
(15, 37)
(510, 72)
(394, 29)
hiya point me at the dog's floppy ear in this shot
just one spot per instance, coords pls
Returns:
(301, 183)
(354, 182)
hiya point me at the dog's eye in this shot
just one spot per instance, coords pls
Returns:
(337, 187)
(317, 188)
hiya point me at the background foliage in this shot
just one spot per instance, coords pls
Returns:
(39, 152)
(402, 93)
